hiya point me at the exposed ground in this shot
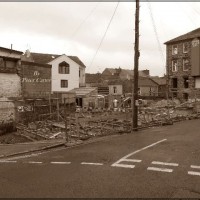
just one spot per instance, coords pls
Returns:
(85, 125)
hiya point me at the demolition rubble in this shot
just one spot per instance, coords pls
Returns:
(84, 125)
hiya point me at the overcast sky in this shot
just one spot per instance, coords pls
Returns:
(75, 28)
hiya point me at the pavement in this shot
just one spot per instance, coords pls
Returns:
(9, 150)
(160, 162)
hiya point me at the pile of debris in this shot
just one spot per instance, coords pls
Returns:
(38, 130)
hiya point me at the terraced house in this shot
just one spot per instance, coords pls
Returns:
(183, 65)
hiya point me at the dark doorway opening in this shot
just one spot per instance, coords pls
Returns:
(186, 82)
(79, 102)
(174, 82)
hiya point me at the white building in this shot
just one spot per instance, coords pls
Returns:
(68, 72)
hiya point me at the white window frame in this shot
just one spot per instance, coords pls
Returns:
(184, 51)
(184, 65)
(173, 49)
(176, 68)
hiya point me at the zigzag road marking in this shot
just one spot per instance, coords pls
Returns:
(126, 158)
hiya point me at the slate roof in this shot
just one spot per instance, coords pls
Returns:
(11, 50)
(92, 78)
(159, 80)
(125, 71)
(115, 82)
(190, 35)
(146, 81)
(46, 58)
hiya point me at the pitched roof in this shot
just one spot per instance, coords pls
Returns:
(159, 80)
(190, 35)
(115, 82)
(43, 58)
(92, 78)
(46, 58)
(111, 70)
(11, 50)
(125, 71)
(146, 81)
(77, 60)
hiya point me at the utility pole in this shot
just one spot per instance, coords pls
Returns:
(135, 79)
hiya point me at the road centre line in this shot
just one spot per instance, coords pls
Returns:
(164, 163)
(160, 169)
(194, 173)
(137, 151)
(8, 161)
(62, 163)
(35, 162)
(87, 163)
(195, 166)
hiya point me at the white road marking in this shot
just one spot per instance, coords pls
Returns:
(132, 160)
(125, 158)
(122, 165)
(8, 161)
(62, 163)
(194, 173)
(164, 163)
(160, 169)
(195, 166)
(34, 162)
(87, 163)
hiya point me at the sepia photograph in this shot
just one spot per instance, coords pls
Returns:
(100, 99)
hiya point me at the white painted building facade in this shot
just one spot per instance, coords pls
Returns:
(66, 79)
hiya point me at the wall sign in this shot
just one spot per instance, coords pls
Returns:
(36, 79)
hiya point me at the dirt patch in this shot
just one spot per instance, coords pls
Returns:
(12, 138)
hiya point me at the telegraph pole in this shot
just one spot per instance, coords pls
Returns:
(135, 79)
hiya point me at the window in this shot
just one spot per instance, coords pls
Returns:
(174, 49)
(115, 89)
(185, 47)
(63, 68)
(174, 65)
(79, 73)
(64, 83)
(185, 64)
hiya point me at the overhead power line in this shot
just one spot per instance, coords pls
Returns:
(104, 35)
(84, 20)
(156, 34)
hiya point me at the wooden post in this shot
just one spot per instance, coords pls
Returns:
(77, 125)
(57, 108)
(50, 105)
(135, 80)
(65, 111)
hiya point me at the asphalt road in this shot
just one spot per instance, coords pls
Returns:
(155, 163)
